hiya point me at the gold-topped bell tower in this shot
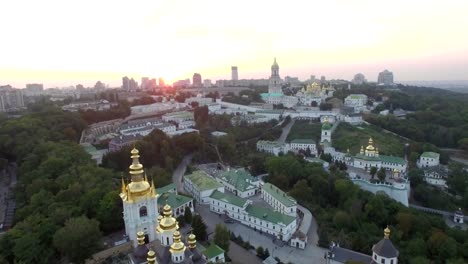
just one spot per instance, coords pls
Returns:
(140, 202)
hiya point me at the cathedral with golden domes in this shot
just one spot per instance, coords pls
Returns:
(143, 224)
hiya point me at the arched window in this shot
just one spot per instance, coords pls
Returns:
(143, 211)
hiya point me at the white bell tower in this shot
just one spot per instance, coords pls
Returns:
(140, 203)
(275, 81)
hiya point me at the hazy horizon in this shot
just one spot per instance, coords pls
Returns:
(62, 44)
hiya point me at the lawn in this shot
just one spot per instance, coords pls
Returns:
(352, 137)
(305, 129)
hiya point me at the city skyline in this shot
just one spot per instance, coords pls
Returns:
(83, 42)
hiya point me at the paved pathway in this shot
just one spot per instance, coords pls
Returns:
(240, 255)
(311, 254)
(286, 129)
(180, 171)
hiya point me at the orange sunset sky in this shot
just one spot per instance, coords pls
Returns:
(63, 43)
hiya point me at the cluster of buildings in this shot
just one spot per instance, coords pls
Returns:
(276, 148)
(434, 172)
(101, 105)
(227, 193)
(11, 99)
(145, 221)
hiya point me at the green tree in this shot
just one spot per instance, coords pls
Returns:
(381, 174)
(78, 239)
(109, 213)
(222, 237)
(260, 252)
(463, 143)
(187, 215)
(416, 177)
(199, 228)
(373, 171)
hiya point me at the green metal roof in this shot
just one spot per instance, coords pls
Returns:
(279, 195)
(326, 126)
(203, 181)
(240, 179)
(168, 188)
(303, 141)
(228, 198)
(264, 95)
(429, 154)
(172, 199)
(213, 251)
(269, 215)
(364, 157)
(392, 159)
(382, 158)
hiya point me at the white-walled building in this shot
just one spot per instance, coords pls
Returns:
(428, 159)
(356, 101)
(140, 202)
(200, 100)
(144, 128)
(178, 117)
(156, 107)
(272, 147)
(279, 200)
(326, 133)
(303, 144)
(436, 175)
(263, 219)
(200, 185)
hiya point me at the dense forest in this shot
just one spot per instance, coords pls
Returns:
(355, 218)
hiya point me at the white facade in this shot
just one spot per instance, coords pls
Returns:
(156, 107)
(299, 144)
(200, 100)
(279, 200)
(356, 101)
(249, 216)
(145, 129)
(428, 159)
(272, 147)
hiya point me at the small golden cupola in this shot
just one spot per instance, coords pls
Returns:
(167, 222)
(177, 246)
(387, 233)
(151, 257)
(192, 242)
(139, 186)
(370, 149)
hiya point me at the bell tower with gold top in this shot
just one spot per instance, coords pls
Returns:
(140, 202)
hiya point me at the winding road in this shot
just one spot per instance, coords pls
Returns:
(180, 171)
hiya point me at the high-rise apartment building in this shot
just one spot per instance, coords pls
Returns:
(234, 74)
(385, 78)
(11, 100)
(197, 80)
(144, 83)
(161, 82)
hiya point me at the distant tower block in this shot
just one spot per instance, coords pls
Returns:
(234, 75)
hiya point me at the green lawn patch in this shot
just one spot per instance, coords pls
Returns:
(305, 129)
(351, 137)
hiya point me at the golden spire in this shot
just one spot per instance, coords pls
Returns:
(192, 241)
(370, 147)
(136, 168)
(141, 238)
(151, 257)
(123, 186)
(387, 233)
(177, 245)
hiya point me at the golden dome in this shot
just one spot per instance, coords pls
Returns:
(192, 241)
(177, 245)
(151, 257)
(167, 222)
(141, 238)
(387, 233)
(370, 147)
(139, 185)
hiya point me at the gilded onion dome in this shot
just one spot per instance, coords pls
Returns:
(167, 222)
(387, 233)
(177, 246)
(370, 147)
(151, 257)
(139, 186)
(192, 241)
